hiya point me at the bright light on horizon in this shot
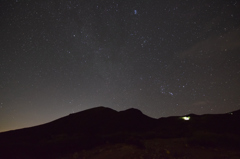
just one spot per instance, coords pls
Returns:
(185, 117)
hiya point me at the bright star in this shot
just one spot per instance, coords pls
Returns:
(135, 11)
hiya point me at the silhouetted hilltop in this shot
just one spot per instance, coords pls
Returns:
(100, 125)
(106, 120)
(132, 111)
(92, 121)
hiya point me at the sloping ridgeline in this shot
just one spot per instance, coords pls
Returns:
(99, 126)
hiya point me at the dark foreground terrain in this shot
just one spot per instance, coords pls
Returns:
(105, 133)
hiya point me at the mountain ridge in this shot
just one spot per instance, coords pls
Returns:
(102, 111)
(98, 126)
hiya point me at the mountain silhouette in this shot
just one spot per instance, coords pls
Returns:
(101, 125)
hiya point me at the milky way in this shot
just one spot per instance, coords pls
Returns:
(164, 58)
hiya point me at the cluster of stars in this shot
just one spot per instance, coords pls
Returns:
(164, 58)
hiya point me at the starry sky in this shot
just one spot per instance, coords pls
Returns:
(165, 58)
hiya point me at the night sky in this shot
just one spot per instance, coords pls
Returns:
(165, 58)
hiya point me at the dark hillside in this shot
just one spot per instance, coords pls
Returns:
(101, 126)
